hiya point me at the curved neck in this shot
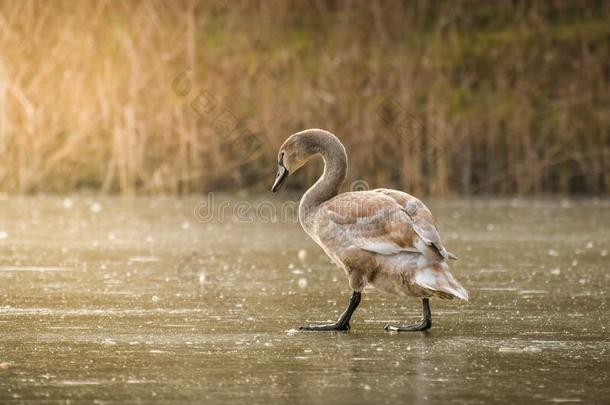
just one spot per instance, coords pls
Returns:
(335, 169)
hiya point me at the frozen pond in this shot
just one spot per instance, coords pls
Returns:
(134, 300)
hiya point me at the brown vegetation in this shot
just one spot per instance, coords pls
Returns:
(185, 96)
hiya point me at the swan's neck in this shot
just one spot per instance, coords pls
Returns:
(335, 171)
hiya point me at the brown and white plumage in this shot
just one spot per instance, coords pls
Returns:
(386, 238)
(394, 230)
(387, 222)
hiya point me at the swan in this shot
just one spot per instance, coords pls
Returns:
(386, 238)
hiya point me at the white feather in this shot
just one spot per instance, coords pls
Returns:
(384, 247)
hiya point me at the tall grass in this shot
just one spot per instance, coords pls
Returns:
(185, 96)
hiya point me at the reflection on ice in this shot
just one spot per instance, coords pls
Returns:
(137, 302)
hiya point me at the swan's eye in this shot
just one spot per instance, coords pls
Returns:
(280, 159)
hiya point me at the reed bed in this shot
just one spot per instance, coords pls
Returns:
(437, 98)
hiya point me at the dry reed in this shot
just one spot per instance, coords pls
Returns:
(186, 96)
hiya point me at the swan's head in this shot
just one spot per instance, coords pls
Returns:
(293, 154)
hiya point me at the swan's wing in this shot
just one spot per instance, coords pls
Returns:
(423, 222)
(377, 222)
(368, 221)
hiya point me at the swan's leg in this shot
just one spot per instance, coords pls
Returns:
(425, 324)
(343, 321)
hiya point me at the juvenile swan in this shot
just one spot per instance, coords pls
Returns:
(383, 237)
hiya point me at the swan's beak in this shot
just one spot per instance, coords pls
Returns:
(280, 178)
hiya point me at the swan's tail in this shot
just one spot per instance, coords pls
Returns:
(438, 278)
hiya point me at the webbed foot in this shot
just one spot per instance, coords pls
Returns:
(342, 323)
(329, 326)
(425, 324)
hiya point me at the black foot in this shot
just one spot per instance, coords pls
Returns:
(342, 323)
(418, 327)
(425, 324)
(329, 326)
